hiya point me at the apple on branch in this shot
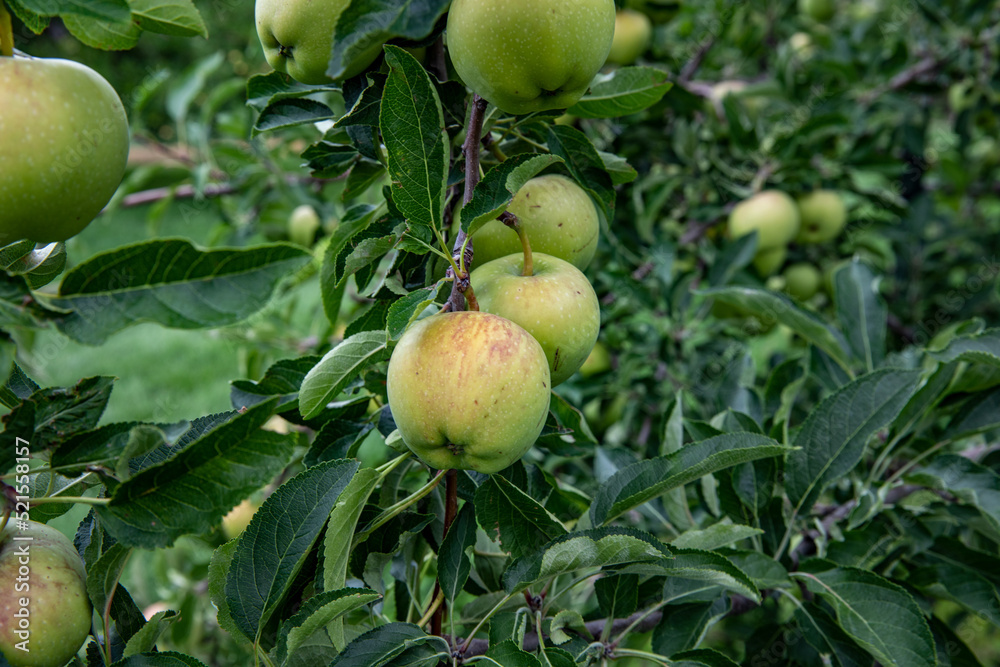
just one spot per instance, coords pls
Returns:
(468, 390)
(525, 56)
(823, 216)
(64, 143)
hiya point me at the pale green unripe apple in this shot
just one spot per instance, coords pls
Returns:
(802, 45)
(771, 213)
(45, 572)
(468, 390)
(823, 216)
(558, 216)
(303, 224)
(818, 10)
(297, 36)
(768, 261)
(633, 33)
(63, 148)
(598, 361)
(530, 55)
(556, 304)
(802, 280)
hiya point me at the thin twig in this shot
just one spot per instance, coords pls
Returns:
(692, 65)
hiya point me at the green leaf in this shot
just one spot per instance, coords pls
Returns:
(701, 657)
(835, 434)
(101, 34)
(169, 17)
(495, 191)
(405, 310)
(218, 568)
(683, 626)
(55, 415)
(585, 164)
(191, 492)
(379, 647)
(862, 312)
(338, 367)
(823, 634)
(366, 22)
(707, 567)
(454, 562)
(617, 594)
(878, 614)
(316, 613)
(284, 113)
(274, 546)
(979, 414)
(763, 570)
(718, 535)
(961, 585)
(645, 480)
(970, 482)
(171, 282)
(509, 654)
(981, 348)
(624, 91)
(599, 547)
(164, 659)
(509, 514)
(103, 576)
(772, 307)
(264, 89)
(145, 639)
(109, 10)
(412, 125)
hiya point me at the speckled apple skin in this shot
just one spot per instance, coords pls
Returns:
(530, 55)
(64, 143)
(59, 607)
(558, 216)
(556, 304)
(468, 390)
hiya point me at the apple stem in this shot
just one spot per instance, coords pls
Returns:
(6, 33)
(461, 288)
(494, 147)
(514, 223)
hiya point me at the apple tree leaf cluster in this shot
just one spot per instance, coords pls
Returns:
(744, 473)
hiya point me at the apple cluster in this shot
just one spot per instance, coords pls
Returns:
(815, 217)
(65, 140)
(470, 390)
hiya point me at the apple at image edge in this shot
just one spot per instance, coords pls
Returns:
(297, 37)
(468, 390)
(59, 608)
(525, 56)
(64, 139)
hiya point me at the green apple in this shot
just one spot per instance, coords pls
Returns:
(823, 216)
(468, 390)
(771, 213)
(44, 598)
(234, 523)
(633, 33)
(558, 216)
(818, 10)
(529, 55)
(802, 280)
(63, 148)
(297, 36)
(556, 304)
(802, 45)
(303, 225)
(768, 261)
(598, 361)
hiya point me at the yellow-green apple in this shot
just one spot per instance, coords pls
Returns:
(768, 261)
(558, 216)
(45, 613)
(468, 390)
(297, 36)
(303, 224)
(63, 148)
(771, 213)
(555, 303)
(529, 55)
(823, 216)
(802, 45)
(818, 10)
(802, 280)
(598, 361)
(633, 33)
(239, 518)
